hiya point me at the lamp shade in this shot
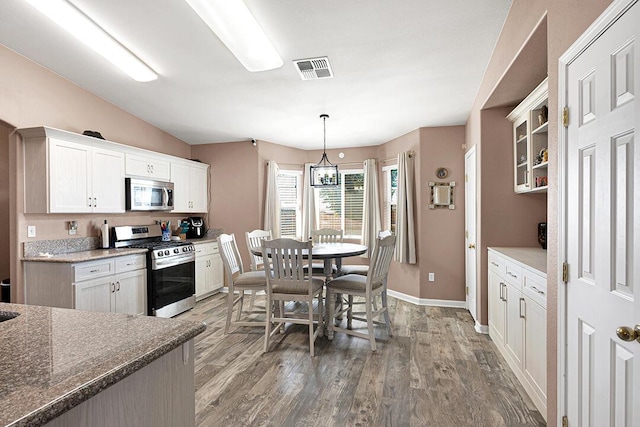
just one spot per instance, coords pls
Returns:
(325, 175)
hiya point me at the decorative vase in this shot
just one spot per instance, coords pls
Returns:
(542, 234)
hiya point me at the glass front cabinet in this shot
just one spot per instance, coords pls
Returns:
(530, 143)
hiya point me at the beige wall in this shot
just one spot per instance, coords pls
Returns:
(565, 21)
(441, 231)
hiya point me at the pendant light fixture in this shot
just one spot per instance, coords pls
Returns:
(324, 173)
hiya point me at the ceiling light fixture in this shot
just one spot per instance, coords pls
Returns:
(87, 31)
(236, 27)
(325, 173)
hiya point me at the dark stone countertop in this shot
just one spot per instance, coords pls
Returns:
(52, 359)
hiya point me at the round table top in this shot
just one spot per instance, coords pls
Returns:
(330, 250)
(337, 250)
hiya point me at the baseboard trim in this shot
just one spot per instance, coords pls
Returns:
(482, 329)
(427, 302)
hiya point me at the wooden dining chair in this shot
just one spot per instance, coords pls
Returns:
(254, 241)
(367, 287)
(325, 235)
(362, 269)
(284, 259)
(238, 281)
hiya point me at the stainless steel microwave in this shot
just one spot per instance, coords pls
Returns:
(145, 195)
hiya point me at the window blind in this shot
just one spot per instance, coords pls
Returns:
(288, 192)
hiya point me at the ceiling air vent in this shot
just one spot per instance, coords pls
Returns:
(313, 68)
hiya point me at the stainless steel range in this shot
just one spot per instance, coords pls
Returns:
(170, 268)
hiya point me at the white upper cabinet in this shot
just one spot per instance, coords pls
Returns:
(530, 141)
(65, 172)
(147, 167)
(81, 178)
(190, 187)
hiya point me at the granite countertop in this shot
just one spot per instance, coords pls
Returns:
(535, 258)
(83, 256)
(52, 359)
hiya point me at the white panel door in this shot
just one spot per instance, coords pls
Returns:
(131, 292)
(602, 222)
(181, 177)
(108, 181)
(69, 177)
(470, 232)
(198, 189)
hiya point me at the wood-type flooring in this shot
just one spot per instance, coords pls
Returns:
(435, 371)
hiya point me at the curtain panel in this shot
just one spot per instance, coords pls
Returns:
(272, 201)
(310, 218)
(406, 238)
(371, 205)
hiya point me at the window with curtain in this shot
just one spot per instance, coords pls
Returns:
(290, 194)
(390, 200)
(341, 207)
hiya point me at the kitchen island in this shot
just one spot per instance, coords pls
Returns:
(71, 367)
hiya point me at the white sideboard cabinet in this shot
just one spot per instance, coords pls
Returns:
(517, 284)
(116, 284)
(209, 270)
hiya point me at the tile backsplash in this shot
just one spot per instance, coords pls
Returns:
(60, 246)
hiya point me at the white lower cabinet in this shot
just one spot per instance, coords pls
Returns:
(209, 272)
(117, 284)
(518, 320)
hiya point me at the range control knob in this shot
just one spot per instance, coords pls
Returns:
(166, 251)
(159, 253)
(184, 249)
(176, 251)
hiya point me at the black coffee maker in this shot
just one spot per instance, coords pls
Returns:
(196, 228)
(542, 234)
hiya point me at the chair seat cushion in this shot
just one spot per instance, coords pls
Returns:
(350, 282)
(316, 283)
(355, 269)
(251, 278)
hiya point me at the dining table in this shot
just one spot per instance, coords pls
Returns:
(329, 252)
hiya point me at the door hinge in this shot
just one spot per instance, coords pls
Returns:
(565, 421)
(466, 234)
(565, 272)
(467, 290)
(565, 116)
(466, 178)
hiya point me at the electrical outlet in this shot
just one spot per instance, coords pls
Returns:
(73, 227)
(31, 231)
(432, 277)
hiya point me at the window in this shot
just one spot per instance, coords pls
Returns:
(341, 207)
(390, 200)
(289, 192)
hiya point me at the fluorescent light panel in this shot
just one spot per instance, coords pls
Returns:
(236, 27)
(84, 29)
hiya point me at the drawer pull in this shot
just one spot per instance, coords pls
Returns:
(537, 290)
(495, 264)
(113, 287)
(94, 271)
(512, 275)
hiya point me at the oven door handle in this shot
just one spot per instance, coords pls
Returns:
(159, 264)
(165, 197)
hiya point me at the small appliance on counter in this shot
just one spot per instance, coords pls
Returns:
(196, 229)
(542, 234)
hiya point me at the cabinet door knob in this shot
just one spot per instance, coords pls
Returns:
(472, 246)
(626, 333)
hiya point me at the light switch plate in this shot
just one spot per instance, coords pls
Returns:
(31, 231)
(432, 277)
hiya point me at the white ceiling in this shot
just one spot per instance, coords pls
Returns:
(398, 65)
